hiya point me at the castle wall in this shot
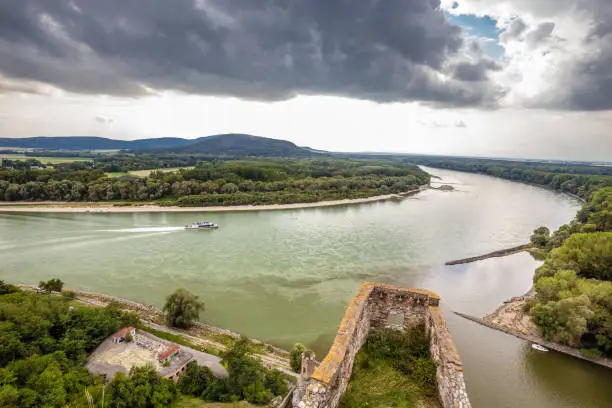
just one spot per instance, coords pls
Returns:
(371, 308)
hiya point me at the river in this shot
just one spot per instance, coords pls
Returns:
(287, 276)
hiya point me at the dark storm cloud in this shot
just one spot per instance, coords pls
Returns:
(391, 50)
(475, 71)
(591, 86)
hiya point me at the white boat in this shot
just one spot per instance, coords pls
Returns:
(539, 348)
(201, 225)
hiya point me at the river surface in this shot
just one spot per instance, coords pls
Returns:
(287, 276)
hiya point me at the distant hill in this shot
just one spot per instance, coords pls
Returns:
(91, 143)
(234, 145)
(240, 145)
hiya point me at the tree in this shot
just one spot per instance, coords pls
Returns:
(182, 309)
(52, 285)
(295, 358)
(540, 236)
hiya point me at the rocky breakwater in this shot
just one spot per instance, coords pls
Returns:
(375, 306)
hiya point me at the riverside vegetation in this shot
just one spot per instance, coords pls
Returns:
(210, 183)
(573, 302)
(45, 340)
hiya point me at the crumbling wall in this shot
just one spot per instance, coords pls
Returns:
(372, 307)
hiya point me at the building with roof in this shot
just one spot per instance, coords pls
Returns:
(120, 335)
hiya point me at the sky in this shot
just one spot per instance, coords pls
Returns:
(507, 78)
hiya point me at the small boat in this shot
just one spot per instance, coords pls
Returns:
(201, 225)
(539, 348)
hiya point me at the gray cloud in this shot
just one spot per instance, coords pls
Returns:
(475, 71)
(515, 29)
(392, 50)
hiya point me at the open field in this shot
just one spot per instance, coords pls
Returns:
(42, 159)
(190, 402)
(145, 173)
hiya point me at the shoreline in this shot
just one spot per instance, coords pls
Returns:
(511, 319)
(201, 334)
(89, 207)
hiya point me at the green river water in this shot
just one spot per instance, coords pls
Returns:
(287, 276)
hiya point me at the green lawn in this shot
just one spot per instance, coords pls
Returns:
(116, 174)
(190, 402)
(379, 386)
(45, 160)
(146, 173)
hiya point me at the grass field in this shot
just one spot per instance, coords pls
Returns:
(146, 173)
(44, 160)
(190, 402)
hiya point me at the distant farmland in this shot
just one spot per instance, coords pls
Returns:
(44, 160)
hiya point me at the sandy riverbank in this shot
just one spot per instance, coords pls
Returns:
(71, 207)
(512, 319)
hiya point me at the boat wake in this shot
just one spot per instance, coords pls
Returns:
(147, 229)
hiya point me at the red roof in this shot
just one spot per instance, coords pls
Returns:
(168, 352)
(123, 332)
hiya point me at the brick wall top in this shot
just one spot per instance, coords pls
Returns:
(328, 369)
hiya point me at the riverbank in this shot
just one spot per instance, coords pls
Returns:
(72, 207)
(202, 336)
(512, 319)
(494, 254)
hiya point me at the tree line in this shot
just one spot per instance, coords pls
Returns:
(574, 285)
(217, 183)
(580, 180)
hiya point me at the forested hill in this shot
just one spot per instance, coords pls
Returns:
(231, 145)
(91, 143)
(240, 145)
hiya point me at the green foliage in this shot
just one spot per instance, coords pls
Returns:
(6, 288)
(52, 285)
(212, 182)
(590, 255)
(392, 369)
(43, 345)
(196, 380)
(247, 380)
(182, 309)
(295, 358)
(540, 237)
(142, 389)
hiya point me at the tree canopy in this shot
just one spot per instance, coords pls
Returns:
(182, 309)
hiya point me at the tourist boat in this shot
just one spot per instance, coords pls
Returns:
(538, 347)
(201, 225)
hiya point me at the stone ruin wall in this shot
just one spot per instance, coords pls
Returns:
(323, 386)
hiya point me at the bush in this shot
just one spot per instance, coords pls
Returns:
(295, 358)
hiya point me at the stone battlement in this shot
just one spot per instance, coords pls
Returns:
(374, 305)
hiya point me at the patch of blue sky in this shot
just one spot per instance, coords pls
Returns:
(484, 29)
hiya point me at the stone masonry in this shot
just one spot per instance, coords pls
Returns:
(375, 306)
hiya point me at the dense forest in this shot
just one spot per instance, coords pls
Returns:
(217, 182)
(574, 285)
(45, 340)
